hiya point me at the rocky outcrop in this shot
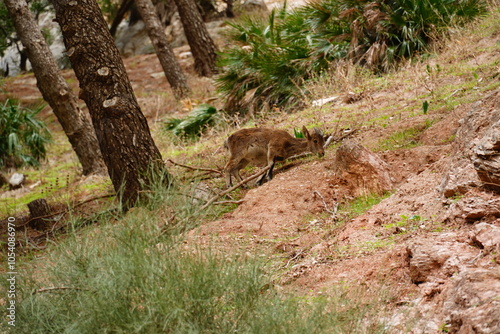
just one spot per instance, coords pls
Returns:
(459, 279)
(474, 208)
(364, 171)
(434, 260)
(486, 158)
(476, 149)
(472, 303)
(457, 272)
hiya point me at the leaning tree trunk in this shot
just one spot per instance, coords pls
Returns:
(164, 52)
(202, 45)
(55, 90)
(122, 130)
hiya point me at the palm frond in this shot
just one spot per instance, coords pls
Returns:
(194, 124)
(23, 138)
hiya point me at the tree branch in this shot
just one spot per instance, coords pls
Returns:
(248, 179)
(196, 168)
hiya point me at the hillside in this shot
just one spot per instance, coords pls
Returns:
(413, 232)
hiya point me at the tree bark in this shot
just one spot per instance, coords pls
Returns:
(122, 130)
(163, 50)
(202, 45)
(55, 90)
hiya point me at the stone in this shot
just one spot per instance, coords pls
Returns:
(473, 208)
(432, 260)
(16, 180)
(471, 304)
(486, 158)
(486, 236)
(474, 160)
(362, 169)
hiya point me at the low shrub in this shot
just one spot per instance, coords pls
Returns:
(23, 138)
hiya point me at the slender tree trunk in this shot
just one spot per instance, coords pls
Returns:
(55, 90)
(230, 8)
(120, 15)
(164, 52)
(122, 130)
(202, 45)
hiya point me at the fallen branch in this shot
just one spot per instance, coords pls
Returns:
(228, 202)
(195, 168)
(300, 155)
(296, 256)
(334, 211)
(248, 179)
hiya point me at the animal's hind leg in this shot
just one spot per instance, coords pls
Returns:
(268, 174)
(233, 171)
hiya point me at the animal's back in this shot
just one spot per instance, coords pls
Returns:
(250, 145)
(256, 135)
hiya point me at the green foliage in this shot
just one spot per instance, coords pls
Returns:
(361, 204)
(405, 139)
(109, 8)
(194, 124)
(425, 107)
(134, 277)
(269, 71)
(272, 58)
(22, 137)
(298, 133)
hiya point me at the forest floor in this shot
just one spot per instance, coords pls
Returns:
(306, 217)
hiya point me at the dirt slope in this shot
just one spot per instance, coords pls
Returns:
(417, 242)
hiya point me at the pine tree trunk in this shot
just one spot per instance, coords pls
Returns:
(164, 52)
(202, 45)
(122, 130)
(55, 90)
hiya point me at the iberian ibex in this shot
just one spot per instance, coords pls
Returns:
(261, 147)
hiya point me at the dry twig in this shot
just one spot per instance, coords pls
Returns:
(229, 202)
(55, 288)
(196, 168)
(334, 211)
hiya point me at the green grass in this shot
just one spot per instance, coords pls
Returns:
(134, 275)
(404, 139)
(56, 184)
(361, 204)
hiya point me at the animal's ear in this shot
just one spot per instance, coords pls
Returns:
(318, 132)
(306, 133)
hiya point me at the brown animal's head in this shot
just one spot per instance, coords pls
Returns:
(315, 141)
